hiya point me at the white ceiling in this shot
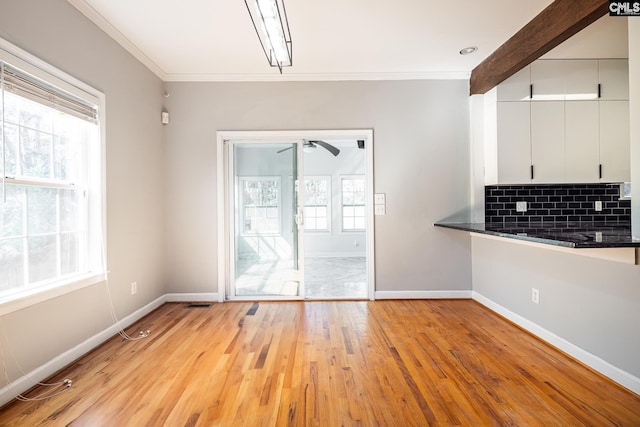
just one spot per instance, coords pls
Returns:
(211, 40)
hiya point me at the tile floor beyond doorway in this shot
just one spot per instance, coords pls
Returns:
(334, 277)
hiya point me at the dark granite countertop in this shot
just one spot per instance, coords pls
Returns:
(568, 234)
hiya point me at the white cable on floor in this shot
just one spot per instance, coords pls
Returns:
(114, 317)
(66, 383)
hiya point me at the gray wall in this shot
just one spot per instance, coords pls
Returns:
(55, 32)
(421, 162)
(591, 303)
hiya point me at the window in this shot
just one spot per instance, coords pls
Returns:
(317, 195)
(51, 191)
(353, 206)
(260, 205)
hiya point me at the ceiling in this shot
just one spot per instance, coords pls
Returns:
(211, 40)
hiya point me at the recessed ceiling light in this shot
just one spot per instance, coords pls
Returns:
(468, 50)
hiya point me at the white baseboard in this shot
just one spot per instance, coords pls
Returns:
(616, 374)
(423, 294)
(24, 383)
(195, 297)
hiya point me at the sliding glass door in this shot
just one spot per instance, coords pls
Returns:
(296, 210)
(264, 220)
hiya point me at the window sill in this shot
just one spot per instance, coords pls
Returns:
(29, 297)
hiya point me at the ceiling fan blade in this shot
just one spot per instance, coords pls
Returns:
(285, 149)
(333, 150)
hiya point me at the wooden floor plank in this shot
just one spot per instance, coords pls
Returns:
(351, 363)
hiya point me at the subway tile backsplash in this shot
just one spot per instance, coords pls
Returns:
(556, 203)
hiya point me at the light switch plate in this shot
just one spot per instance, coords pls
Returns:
(380, 210)
(521, 206)
(379, 199)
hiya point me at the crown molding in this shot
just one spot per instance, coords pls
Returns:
(303, 77)
(83, 7)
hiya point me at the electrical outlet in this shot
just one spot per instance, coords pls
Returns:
(521, 206)
(380, 210)
(379, 198)
(134, 288)
(535, 296)
(598, 206)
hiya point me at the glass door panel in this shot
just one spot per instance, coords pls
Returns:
(335, 222)
(264, 216)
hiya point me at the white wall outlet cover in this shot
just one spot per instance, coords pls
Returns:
(598, 206)
(521, 206)
(380, 210)
(379, 198)
(165, 118)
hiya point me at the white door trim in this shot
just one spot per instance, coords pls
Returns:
(221, 200)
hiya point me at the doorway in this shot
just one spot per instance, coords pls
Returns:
(297, 215)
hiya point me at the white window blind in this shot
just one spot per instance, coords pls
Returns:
(23, 84)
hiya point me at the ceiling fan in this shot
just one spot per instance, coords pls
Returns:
(312, 144)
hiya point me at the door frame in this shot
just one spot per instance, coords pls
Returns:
(224, 253)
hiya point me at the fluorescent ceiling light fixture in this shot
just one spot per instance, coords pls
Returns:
(269, 19)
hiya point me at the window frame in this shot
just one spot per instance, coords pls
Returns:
(242, 180)
(342, 204)
(95, 270)
(328, 229)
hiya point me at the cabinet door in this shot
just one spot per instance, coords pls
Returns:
(582, 143)
(547, 141)
(580, 79)
(614, 141)
(547, 80)
(516, 87)
(614, 79)
(514, 147)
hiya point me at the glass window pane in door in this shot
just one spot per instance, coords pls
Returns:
(265, 233)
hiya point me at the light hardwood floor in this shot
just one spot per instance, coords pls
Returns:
(351, 363)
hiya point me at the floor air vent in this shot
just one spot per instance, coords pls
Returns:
(199, 305)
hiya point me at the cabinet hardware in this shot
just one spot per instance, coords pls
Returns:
(532, 172)
(531, 91)
(599, 90)
(600, 170)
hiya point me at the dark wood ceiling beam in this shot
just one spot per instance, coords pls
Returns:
(555, 24)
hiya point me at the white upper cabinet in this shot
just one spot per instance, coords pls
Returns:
(547, 78)
(564, 80)
(582, 142)
(514, 142)
(580, 79)
(614, 79)
(547, 142)
(614, 141)
(516, 87)
(564, 132)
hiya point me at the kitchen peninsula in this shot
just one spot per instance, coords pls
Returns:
(561, 216)
(567, 234)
